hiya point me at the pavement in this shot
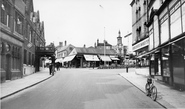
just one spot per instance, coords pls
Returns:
(168, 97)
(11, 87)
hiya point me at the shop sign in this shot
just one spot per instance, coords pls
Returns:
(29, 45)
(141, 44)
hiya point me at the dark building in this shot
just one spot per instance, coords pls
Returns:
(166, 37)
(20, 32)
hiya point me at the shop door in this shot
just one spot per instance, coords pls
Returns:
(8, 67)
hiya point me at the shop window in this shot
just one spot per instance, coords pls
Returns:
(165, 62)
(157, 64)
(152, 64)
(178, 62)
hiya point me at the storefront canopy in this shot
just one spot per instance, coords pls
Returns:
(91, 58)
(114, 58)
(69, 58)
(59, 60)
(105, 58)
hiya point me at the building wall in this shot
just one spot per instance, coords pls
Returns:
(11, 43)
(17, 42)
(167, 60)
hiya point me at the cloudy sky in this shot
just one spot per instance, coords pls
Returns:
(82, 22)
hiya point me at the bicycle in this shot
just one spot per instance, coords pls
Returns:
(151, 89)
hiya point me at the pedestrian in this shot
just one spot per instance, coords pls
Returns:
(50, 68)
(58, 66)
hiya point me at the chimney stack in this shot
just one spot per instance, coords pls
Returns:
(84, 45)
(61, 44)
(97, 41)
(65, 43)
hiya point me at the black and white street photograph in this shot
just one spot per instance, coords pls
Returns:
(92, 54)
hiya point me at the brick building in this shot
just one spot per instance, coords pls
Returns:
(21, 31)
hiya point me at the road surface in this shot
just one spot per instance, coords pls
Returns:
(81, 89)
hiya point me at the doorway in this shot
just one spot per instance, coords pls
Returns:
(8, 67)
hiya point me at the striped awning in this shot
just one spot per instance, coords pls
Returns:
(69, 58)
(91, 58)
(105, 58)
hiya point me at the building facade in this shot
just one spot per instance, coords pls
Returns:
(140, 38)
(166, 23)
(63, 51)
(17, 42)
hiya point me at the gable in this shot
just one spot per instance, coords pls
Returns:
(73, 52)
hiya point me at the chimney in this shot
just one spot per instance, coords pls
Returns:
(65, 43)
(97, 41)
(61, 44)
(84, 45)
(95, 45)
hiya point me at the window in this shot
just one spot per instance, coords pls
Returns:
(175, 21)
(25, 56)
(30, 36)
(18, 23)
(165, 61)
(151, 39)
(156, 32)
(183, 17)
(164, 29)
(29, 60)
(5, 13)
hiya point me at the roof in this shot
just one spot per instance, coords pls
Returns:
(64, 47)
(102, 44)
(94, 51)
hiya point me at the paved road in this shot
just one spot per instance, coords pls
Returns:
(81, 89)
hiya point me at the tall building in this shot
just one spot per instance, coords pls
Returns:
(140, 38)
(20, 32)
(163, 42)
(166, 23)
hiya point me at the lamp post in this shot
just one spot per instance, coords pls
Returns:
(104, 47)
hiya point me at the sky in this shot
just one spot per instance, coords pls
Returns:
(82, 22)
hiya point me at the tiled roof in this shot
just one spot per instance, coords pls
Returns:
(94, 51)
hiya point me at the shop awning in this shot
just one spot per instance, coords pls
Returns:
(145, 54)
(105, 58)
(59, 60)
(69, 58)
(91, 58)
(114, 58)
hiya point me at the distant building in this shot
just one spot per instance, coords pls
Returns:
(104, 44)
(63, 50)
(85, 57)
(140, 38)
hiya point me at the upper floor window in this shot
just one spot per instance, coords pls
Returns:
(18, 23)
(5, 13)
